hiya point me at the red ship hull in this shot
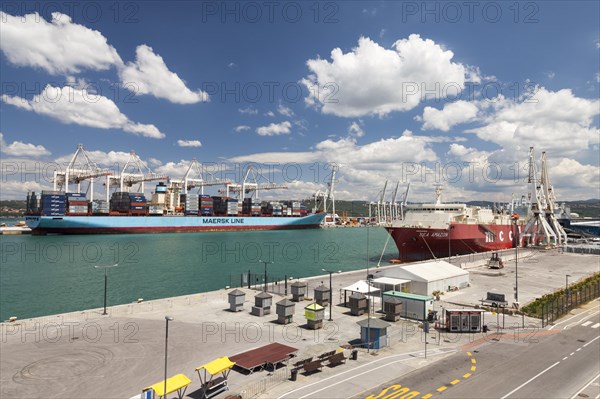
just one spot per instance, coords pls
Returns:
(417, 243)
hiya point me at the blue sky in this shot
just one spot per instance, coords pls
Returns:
(438, 92)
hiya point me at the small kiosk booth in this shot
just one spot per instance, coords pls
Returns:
(285, 311)
(262, 304)
(322, 295)
(236, 300)
(314, 314)
(212, 385)
(298, 291)
(464, 320)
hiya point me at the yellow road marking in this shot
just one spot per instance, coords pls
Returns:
(473, 361)
(467, 375)
(473, 368)
(442, 389)
(454, 382)
(426, 396)
(469, 354)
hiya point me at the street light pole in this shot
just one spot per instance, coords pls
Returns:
(167, 319)
(331, 292)
(567, 287)
(105, 282)
(517, 242)
(266, 262)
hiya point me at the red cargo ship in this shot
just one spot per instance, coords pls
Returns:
(440, 230)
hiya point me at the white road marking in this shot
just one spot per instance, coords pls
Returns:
(582, 319)
(528, 381)
(586, 385)
(595, 309)
(438, 352)
(591, 341)
(587, 323)
(565, 358)
(596, 325)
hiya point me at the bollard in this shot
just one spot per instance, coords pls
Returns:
(294, 375)
(354, 355)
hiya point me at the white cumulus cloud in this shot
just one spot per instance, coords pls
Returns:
(556, 121)
(150, 75)
(59, 46)
(373, 80)
(189, 143)
(452, 114)
(241, 128)
(73, 106)
(275, 129)
(18, 148)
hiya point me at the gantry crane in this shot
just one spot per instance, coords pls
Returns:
(250, 185)
(76, 174)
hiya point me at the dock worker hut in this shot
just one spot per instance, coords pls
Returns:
(373, 332)
(427, 277)
(414, 306)
(214, 376)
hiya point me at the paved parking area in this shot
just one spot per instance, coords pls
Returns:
(87, 355)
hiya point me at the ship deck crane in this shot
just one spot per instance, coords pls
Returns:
(72, 174)
(404, 201)
(394, 204)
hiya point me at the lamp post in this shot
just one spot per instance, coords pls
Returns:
(331, 291)
(517, 242)
(266, 262)
(567, 287)
(105, 282)
(167, 319)
(449, 248)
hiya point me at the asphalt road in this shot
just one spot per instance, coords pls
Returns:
(555, 363)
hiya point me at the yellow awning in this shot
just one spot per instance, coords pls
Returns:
(173, 384)
(217, 366)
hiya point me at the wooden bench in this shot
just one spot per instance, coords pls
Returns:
(301, 362)
(336, 359)
(326, 355)
(313, 366)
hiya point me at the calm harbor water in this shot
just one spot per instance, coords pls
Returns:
(42, 275)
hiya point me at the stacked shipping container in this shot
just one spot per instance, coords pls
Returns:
(54, 203)
(77, 204)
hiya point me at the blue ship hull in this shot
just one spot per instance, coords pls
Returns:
(165, 224)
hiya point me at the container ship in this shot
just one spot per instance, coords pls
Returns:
(175, 205)
(443, 229)
(56, 212)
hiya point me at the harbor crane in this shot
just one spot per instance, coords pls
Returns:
(551, 207)
(76, 173)
(542, 227)
(324, 198)
(250, 185)
(193, 178)
(139, 175)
